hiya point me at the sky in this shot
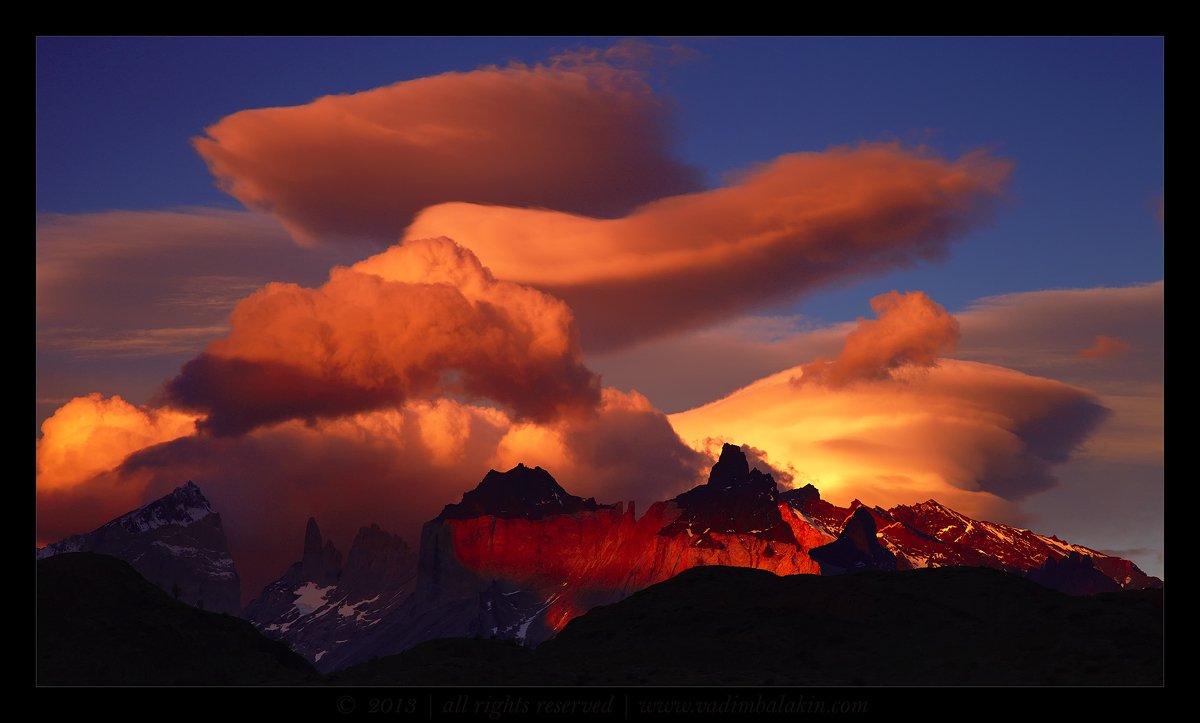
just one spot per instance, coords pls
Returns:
(654, 244)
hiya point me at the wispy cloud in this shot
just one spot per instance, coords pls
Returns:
(130, 343)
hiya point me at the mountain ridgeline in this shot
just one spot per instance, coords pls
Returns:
(177, 542)
(519, 558)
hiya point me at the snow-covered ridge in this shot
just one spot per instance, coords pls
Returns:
(176, 542)
(184, 506)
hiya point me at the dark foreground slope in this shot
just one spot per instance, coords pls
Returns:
(101, 623)
(744, 626)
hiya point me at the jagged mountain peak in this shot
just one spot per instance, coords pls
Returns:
(733, 469)
(732, 466)
(176, 541)
(322, 561)
(519, 492)
(857, 548)
(736, 499)
(319, 606)
(374, 554)
(182, 506)
(800, 495)
(1074, 574)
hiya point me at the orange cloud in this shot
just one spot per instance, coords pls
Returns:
(580, 134)
(912, 330)
(971, 435)
(785, 228)
(1104, 347)
(421, 320)
(93, 434)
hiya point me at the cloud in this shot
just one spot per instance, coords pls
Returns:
(968, 434)
(1042, 331)
(1110, 492)
(122, 270)
(1038, 332)
(1104, 347)
(124, 297)
(139, 343)
(422, 320)
(93, 434)
(584, 133)
(912, 330)
(395, 466)
(627, 451)
(787, 227)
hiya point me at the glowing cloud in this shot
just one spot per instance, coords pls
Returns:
(423, 320)
(970, 435)
(580, 134)
(792, 225)
(1104, 347)
(92, 434)
(912, 330)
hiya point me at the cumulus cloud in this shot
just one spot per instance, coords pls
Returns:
(396, 466)
(968, 434)
(1104, 347)
(797, 223)
(421, 320)
(93, 434)
(583, 133)
(912, 330)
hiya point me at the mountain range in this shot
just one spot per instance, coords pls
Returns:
(519, 558)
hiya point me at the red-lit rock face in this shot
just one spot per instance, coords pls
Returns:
(581, 559)
(524, 549)
(576, 560)
(931, 535)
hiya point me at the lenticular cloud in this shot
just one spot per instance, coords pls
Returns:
(786, 228)
(579, 134)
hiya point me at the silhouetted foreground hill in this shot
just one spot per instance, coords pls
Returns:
(101, 623)
(950, 625)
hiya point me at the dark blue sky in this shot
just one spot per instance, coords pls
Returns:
(1083, 120)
